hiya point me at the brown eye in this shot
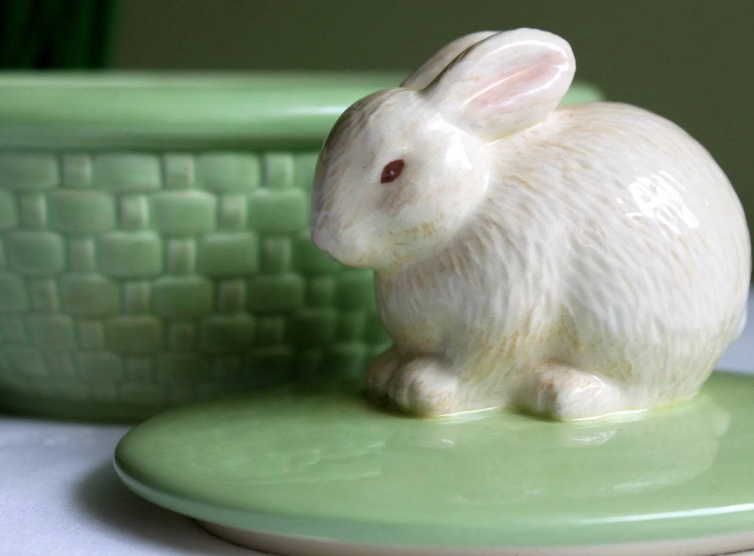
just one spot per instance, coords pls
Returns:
(392, 170)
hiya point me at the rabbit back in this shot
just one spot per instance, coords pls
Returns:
(610, 240)
(637, 237)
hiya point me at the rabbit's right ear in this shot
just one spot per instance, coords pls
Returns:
(432, 67)
(506, 83)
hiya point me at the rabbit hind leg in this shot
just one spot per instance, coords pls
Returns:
(563, 392)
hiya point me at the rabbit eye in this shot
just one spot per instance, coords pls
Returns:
(392, 170)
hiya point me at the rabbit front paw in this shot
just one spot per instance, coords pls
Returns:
(380, 372)
(565, 393)
(425, 386)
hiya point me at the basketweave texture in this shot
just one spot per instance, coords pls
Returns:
(133, 281)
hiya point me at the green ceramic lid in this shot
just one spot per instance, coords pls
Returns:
(322, 463)
(145, 110)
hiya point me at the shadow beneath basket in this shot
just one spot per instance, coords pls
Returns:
(108, 503)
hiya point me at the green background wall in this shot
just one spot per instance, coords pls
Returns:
(689, 60)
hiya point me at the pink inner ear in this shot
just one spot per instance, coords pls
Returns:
(519, 86)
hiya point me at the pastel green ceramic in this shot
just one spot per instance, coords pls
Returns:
(154, 240)
(322, 463)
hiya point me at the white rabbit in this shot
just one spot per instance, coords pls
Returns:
(574, 261)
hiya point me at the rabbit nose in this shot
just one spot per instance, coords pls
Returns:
(328, 237)
(322, 233)
(317, 237)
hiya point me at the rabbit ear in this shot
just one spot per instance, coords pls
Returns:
(432, 67)
(506, 83)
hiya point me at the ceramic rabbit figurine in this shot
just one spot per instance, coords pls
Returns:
(573, 261)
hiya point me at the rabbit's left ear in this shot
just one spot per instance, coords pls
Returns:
(506, 83)
(432, 67)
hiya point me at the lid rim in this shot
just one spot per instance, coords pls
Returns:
(183, 110)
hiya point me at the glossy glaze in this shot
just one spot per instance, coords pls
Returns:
(325, 464)
(574, 261)
(176, 110)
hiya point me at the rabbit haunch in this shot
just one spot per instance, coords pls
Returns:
(576, 261)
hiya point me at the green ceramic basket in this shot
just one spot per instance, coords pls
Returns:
(154, 240)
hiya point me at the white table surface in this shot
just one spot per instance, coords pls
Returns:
(59, 495)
